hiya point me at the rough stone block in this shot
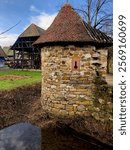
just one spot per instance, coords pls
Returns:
(71, 113)
(63, 112)
(78, 113)
(101, 101)
(81, 108)
(53, 87)
(96, 115)
(69, 108)
(59, 106)
(86, 103)
(55, 111)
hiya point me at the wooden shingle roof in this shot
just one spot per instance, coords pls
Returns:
(32, 31)
(29, 36)
(2, 53)
(69, 27)
(8, 51)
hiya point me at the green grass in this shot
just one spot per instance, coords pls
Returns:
(33, 77)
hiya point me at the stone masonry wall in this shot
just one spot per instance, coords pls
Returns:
(66, 92)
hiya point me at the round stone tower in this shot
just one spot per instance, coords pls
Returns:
(73, 53)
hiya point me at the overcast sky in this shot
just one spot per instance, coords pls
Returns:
(40, 12)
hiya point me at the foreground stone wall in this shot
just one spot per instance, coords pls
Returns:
(67, 92)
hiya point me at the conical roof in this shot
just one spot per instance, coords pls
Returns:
(32, 31)
(2, 53)
(69, 27)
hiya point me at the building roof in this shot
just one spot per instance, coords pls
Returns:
(2, 53)
(69, 27)
(29, 36)
(8, 51)
(32, 31)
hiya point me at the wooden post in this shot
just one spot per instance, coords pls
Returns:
(22, 61)
(14, 58)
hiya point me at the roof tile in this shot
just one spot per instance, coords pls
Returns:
(31, 31)
(69, 27)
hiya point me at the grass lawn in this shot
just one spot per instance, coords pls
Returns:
(13, 78)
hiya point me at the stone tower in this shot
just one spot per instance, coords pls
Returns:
(73, 53)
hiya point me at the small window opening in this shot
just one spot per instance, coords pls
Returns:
(97, 73)
(75, 66)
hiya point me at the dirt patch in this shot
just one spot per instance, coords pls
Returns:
(13, 77)
(23, 105)
(20, 105)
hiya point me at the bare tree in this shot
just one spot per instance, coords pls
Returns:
(98, 13)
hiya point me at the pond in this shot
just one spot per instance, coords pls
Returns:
(25, 136)
(21, 136)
